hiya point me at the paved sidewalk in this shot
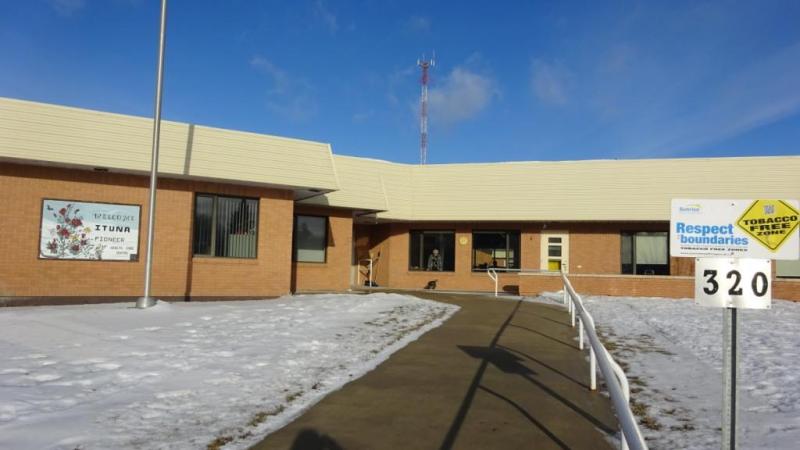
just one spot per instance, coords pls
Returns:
(500, 374)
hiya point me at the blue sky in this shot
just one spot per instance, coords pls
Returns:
(513, 80)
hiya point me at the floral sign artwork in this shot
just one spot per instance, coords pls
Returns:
(93, 231)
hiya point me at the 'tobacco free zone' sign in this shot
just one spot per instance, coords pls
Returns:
(735, 228)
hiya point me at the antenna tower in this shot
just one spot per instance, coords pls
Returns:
(424, 65)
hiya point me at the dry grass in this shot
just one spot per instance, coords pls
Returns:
(257, 419)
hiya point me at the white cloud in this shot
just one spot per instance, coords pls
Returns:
(549, 82)
(462, 95)
(395, 81)
(287, 96)
(361, 117)
(758, 94)
(418, 24)
(327, 17)
(67, 7)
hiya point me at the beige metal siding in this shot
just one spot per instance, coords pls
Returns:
(608, 190)
(61, 135)
(360, 185)
(594, 190)
(604, 190)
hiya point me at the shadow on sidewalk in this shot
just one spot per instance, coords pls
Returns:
(310, 439)
(458, 420)
(511, 361)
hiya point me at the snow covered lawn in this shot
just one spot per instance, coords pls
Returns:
(186, 375)
(672, 352)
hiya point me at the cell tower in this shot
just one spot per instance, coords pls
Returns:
(423, 108)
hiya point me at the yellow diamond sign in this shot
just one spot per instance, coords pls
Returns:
(770, 222)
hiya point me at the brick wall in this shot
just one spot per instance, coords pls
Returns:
(176, 273)
(636, 285)
(615, 285)
(594, 261)
(334, 273)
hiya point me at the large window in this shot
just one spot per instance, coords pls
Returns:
(310, 238)
(645, 253)
(432, 250)
(225, 226)
(788, 269)
(498, 249)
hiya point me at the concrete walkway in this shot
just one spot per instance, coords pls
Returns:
(500, 374)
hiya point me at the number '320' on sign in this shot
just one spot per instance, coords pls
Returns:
(733, 283)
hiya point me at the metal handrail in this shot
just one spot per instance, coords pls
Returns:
(619, 391)
(492, 272)
(358, 275)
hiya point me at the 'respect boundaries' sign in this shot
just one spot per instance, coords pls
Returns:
(735, 228)
(89, 231)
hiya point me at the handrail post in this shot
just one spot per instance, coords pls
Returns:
(496, 281)
(573, 314)
(616, 380)
(358, 274)
(492, 273)
(592, 369)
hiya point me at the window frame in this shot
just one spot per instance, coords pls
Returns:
(294, 238)
(632, 234)
(212, 235)
(422, 233)
(517, 256)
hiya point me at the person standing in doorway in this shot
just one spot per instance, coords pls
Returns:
(435, 261)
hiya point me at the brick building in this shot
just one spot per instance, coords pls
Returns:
(243, 215)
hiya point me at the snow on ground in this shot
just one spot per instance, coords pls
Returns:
(186, 375)
(672, 353)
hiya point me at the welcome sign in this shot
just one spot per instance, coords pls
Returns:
(89, 231)
(735, 228)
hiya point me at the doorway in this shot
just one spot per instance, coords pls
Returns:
(554, 255)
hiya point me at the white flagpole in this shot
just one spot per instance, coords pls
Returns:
(147, 301)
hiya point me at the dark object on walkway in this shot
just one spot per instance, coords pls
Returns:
(431, 285)
(370, 283)
(309, 439)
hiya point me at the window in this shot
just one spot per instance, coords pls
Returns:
(498, 249)
(225, 226)
(310, 238)
(787, 269)
(423, 245)
(645, 253)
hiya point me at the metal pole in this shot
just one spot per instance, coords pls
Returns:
(370, 272)
(580, 334)
(572, 312)
(147, 301)
(730, 363)
(592, 369)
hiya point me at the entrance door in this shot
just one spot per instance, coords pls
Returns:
(555, 251)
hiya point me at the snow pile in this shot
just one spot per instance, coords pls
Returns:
(187, 375)
(672, 353)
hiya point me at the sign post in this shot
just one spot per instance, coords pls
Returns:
(730, 369)
(734, 242)
(731, 284)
